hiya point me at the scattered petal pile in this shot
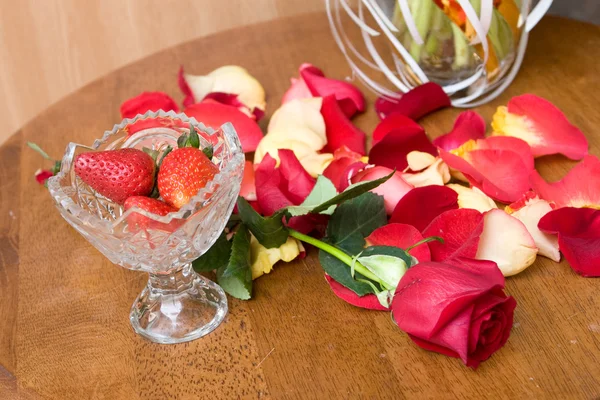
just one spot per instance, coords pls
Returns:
(415, 227)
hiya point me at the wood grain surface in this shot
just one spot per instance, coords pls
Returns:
(64, 308)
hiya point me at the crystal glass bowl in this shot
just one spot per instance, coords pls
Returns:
(177, 305)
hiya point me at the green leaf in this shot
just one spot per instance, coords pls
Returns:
(208, 152)
(194, 139)
(352, 192)
(323, 191)
(217, 257)
(182, 141)
(354, 220)
(340, 272)
(269, 231)
(56, 167)
(236, 277)
(164, 154)
(39, 150)
(151, 153)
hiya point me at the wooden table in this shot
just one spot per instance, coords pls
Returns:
(64, 307)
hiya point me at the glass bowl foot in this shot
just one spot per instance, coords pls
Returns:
(178, 307)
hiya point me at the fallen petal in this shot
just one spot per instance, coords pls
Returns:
(460, 230)
(468, 125)
(436, 174)
(542, 125)
(300, 120)
(316, 163)
(529, 211)
(230, 79)
(340, 131)
(580, 187)
(392, 190)
(507, 242)
(349, 98)
(415, 104)
(368, 301)
(273, 142)
(262, 260)
(214, 115)
(472, 198)
(391, 151)
(419, 160)
(402, 123)
(402, 236)
(578, 232)
(422, 205)
(248, 190)
(147, 101)
(297, 90)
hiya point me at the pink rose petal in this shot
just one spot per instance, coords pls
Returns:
(392, 190)
(248, 189)
(422, 205)
(416, 103)
(578, 232)
(349, 98)
(460, 230)
(297, 90)
(368, 301)
(147, 101)
(340, 131)
(185, 89)
(545, 128)
(579, 188)
(230, 99)
(337, 170)
(468, 125)
(402, 236)
(214, 115)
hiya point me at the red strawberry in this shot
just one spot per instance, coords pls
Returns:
(183, 173)
(117, 174)
(137, 221)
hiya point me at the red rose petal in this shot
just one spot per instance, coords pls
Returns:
(402, 236)
(460, 230)
(348, 97)
(230, 99)
(468, 125)
(368, 301)
(248, 188)
(422, 205)
(500, 174)
(579, 188)
(147, 101)
(268, 181)
(214, 115)
(554, 133)
(340, 131)
(41, 176)
(185, 89)
(416, 103)
(391, 151)
(297, 90)
(509, 143)
(397, 122)
(337, 170)
(578, 232)
(298, 182)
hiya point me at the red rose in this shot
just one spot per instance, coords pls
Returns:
(458, 309)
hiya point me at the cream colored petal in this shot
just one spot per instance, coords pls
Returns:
(506, 241)
(229, 79)
(472, 198)
(419, 160)
(436, 174)
(271, 143)
(530, 216)
(263, 259)
(316, 163)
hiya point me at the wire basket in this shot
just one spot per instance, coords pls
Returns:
(472, 48)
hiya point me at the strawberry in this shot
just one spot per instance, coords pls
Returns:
(117, 174)
(183, 173)
(137, 221)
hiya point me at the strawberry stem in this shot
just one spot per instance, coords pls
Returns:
(39, 150)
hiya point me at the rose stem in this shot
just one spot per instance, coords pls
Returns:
(337, 253)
